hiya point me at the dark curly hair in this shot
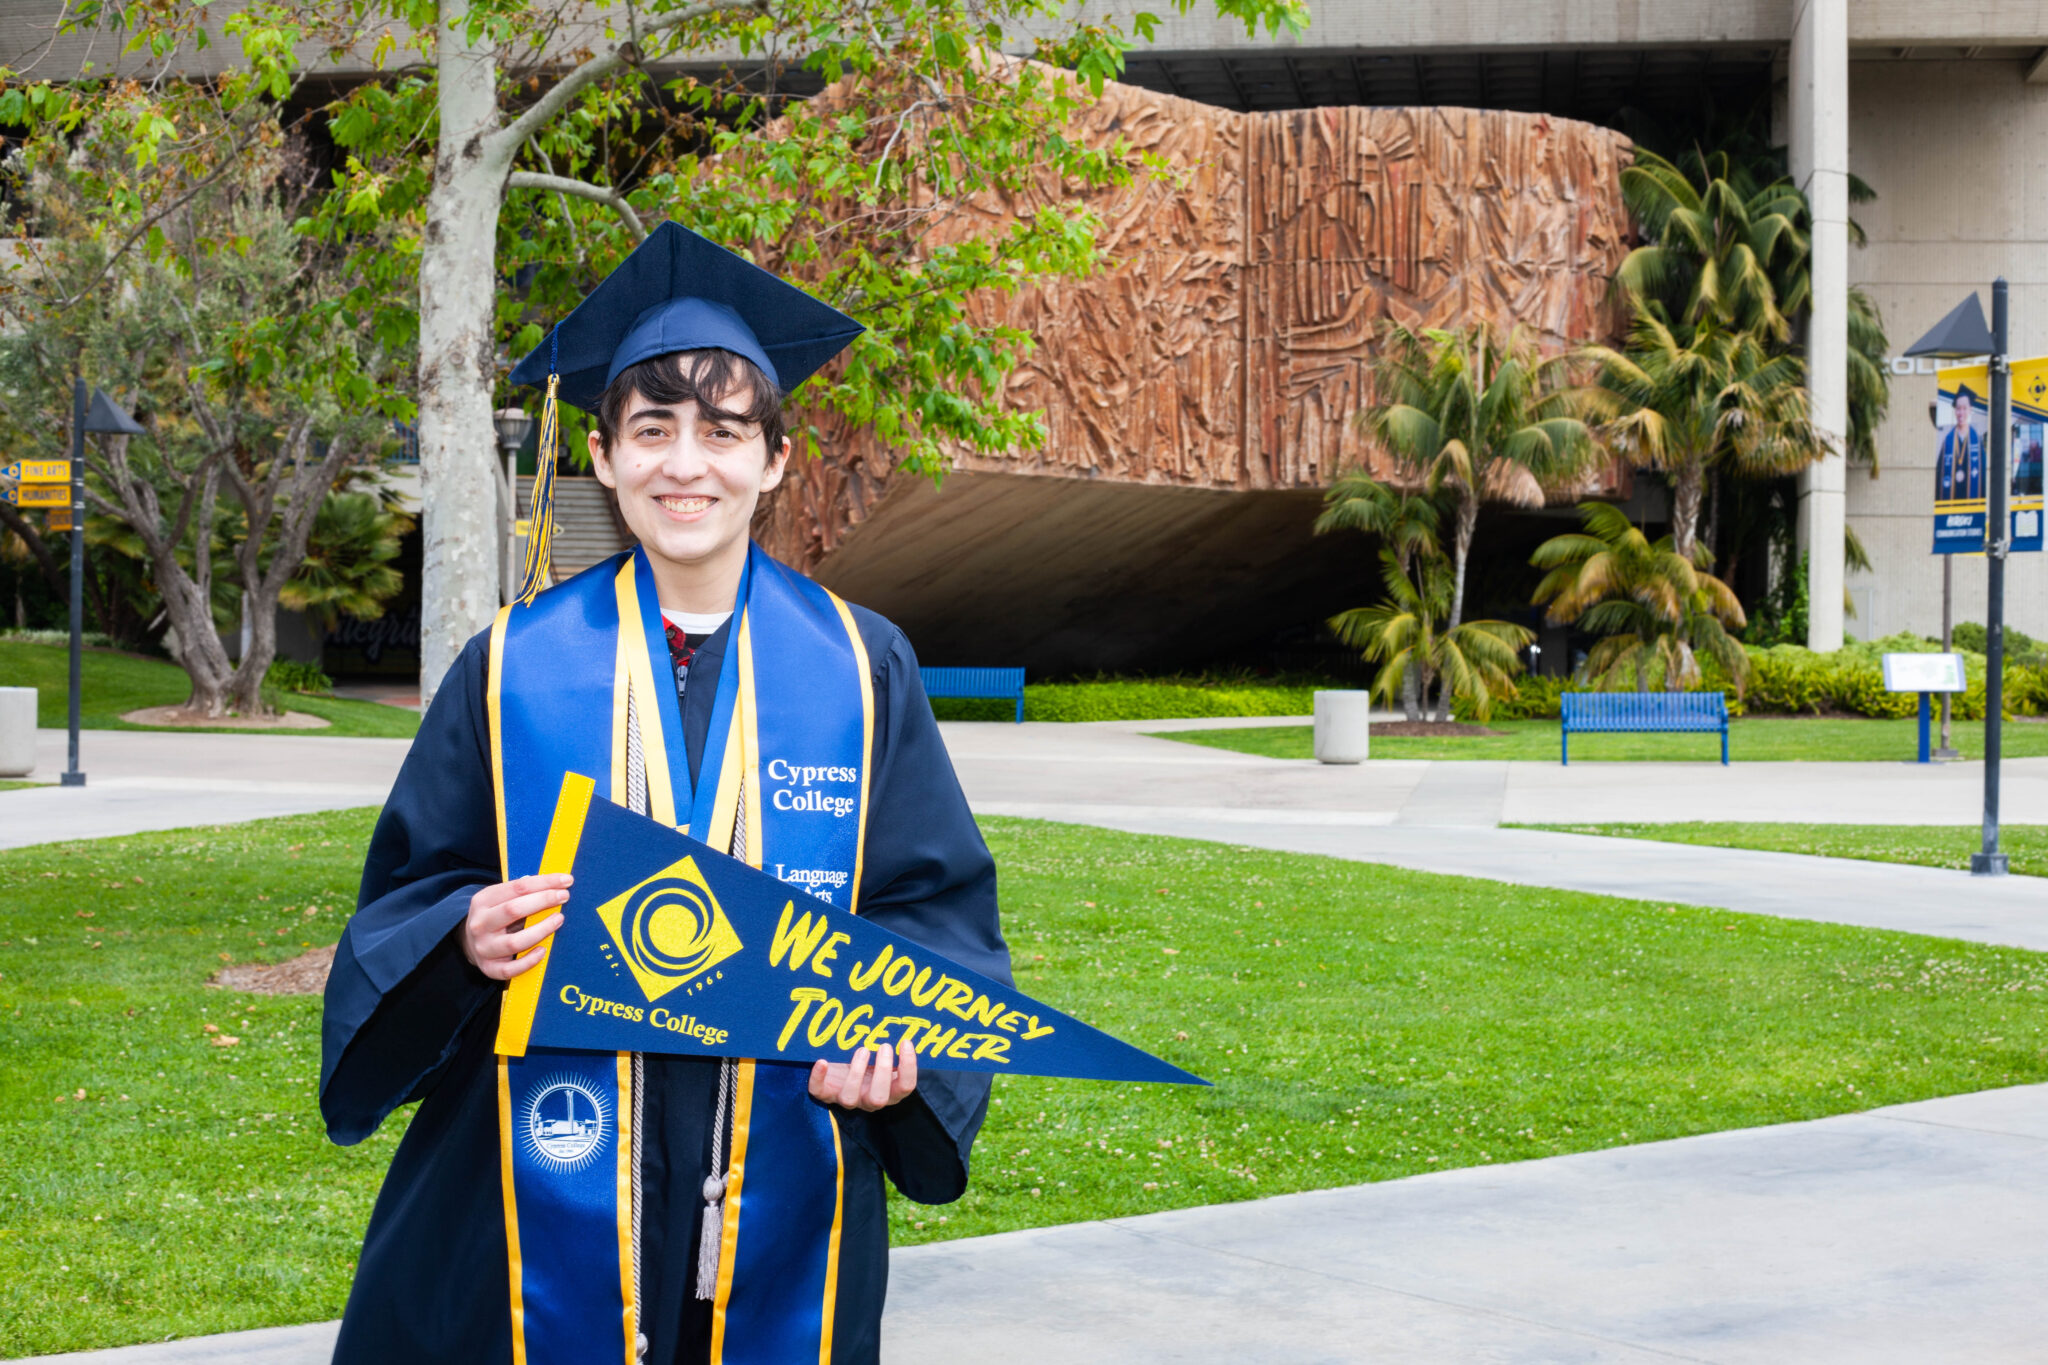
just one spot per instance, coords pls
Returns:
(701, 377)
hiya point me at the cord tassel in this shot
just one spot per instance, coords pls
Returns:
(539, 570)
(709, 1243)
(711, 1236)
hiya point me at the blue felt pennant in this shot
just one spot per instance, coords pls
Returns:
(669, 946)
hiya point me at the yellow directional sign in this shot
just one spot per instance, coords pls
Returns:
(38, 495)
(37, 471)
(60, 519)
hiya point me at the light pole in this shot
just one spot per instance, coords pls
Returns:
(1960, 336)
(514, 426)
(102, 417)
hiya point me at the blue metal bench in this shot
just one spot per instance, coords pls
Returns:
(1607, 713)
(1000, 684)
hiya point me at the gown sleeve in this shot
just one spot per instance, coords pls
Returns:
(401, 994)
(928, 876)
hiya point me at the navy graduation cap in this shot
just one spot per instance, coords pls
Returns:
(678, 291)
(682, 292)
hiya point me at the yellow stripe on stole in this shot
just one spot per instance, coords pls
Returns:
(647, 702)
(627, 1250)
(512, 1258)
(832, 1247)
(735, 1179)
(863, 668)
(515, 1266)
(725, 797)
(491, 686)
(522, 994)
(747, 713)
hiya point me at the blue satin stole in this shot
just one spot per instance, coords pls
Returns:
(579, 682)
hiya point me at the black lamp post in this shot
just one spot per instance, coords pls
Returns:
(102, 416)
(1960, 336)
(514, 426)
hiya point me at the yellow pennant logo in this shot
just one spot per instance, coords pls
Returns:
(670, 929)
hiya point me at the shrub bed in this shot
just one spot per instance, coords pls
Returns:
(1168, 698)
(1791, 680)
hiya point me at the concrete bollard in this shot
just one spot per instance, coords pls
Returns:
(1342, 726)
(17, 731)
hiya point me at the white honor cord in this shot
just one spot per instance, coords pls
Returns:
(710, 1237)
(640, 1332)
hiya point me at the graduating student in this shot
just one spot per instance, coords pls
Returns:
(690, 678)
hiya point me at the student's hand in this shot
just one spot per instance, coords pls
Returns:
(851, 1085)
(492, 938)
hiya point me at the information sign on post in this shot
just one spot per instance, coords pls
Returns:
(1924, 673)
(37, 495)
(37, 471)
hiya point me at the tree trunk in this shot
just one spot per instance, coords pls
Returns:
(1713, 535)
(1461, 552)
(1461, 549)
(1687, 485)
(245, 688)
(458, 364)
(1411, 692)
(200, 652)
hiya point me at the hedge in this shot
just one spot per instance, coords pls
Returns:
(1790, 680)
(1172, 698)
(1785, 680)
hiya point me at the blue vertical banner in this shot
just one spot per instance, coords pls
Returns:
(1962, 460)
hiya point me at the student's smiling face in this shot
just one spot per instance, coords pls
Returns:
(688, 481)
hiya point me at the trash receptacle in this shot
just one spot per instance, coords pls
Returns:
(1342, 726)
(17, 731)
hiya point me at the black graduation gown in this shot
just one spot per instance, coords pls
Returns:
(407, 1018)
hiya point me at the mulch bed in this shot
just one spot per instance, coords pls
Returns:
(305, 974)
(1430, 729)
(180, 716)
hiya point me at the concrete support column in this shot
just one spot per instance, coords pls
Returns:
(1819, 109)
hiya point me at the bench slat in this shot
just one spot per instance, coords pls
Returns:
(1643, 713)
(1001, 684)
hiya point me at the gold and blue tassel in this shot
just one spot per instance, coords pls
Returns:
(540, 531)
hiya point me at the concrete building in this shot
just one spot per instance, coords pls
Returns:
(1941, 108)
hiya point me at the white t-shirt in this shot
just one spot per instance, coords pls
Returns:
(696, 625)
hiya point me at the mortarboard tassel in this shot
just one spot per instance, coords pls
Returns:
(540, 528)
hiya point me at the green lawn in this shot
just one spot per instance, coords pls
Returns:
(1751, 739)
(1360, 1023)
(1921, 845)
(118, 683)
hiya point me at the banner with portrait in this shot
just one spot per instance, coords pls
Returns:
(1962, 461)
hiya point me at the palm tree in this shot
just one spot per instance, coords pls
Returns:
(1727, 237)
(1691, 400)
(1480, 415)
(1718, 244)
(348, 566)
(1404, 522)
(1477, 660)
(1654, 607)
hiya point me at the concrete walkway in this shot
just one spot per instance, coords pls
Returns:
(1908, 1234)
(139, 780)
(1430, 816)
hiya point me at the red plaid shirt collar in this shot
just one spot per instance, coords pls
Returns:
(680, 650)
